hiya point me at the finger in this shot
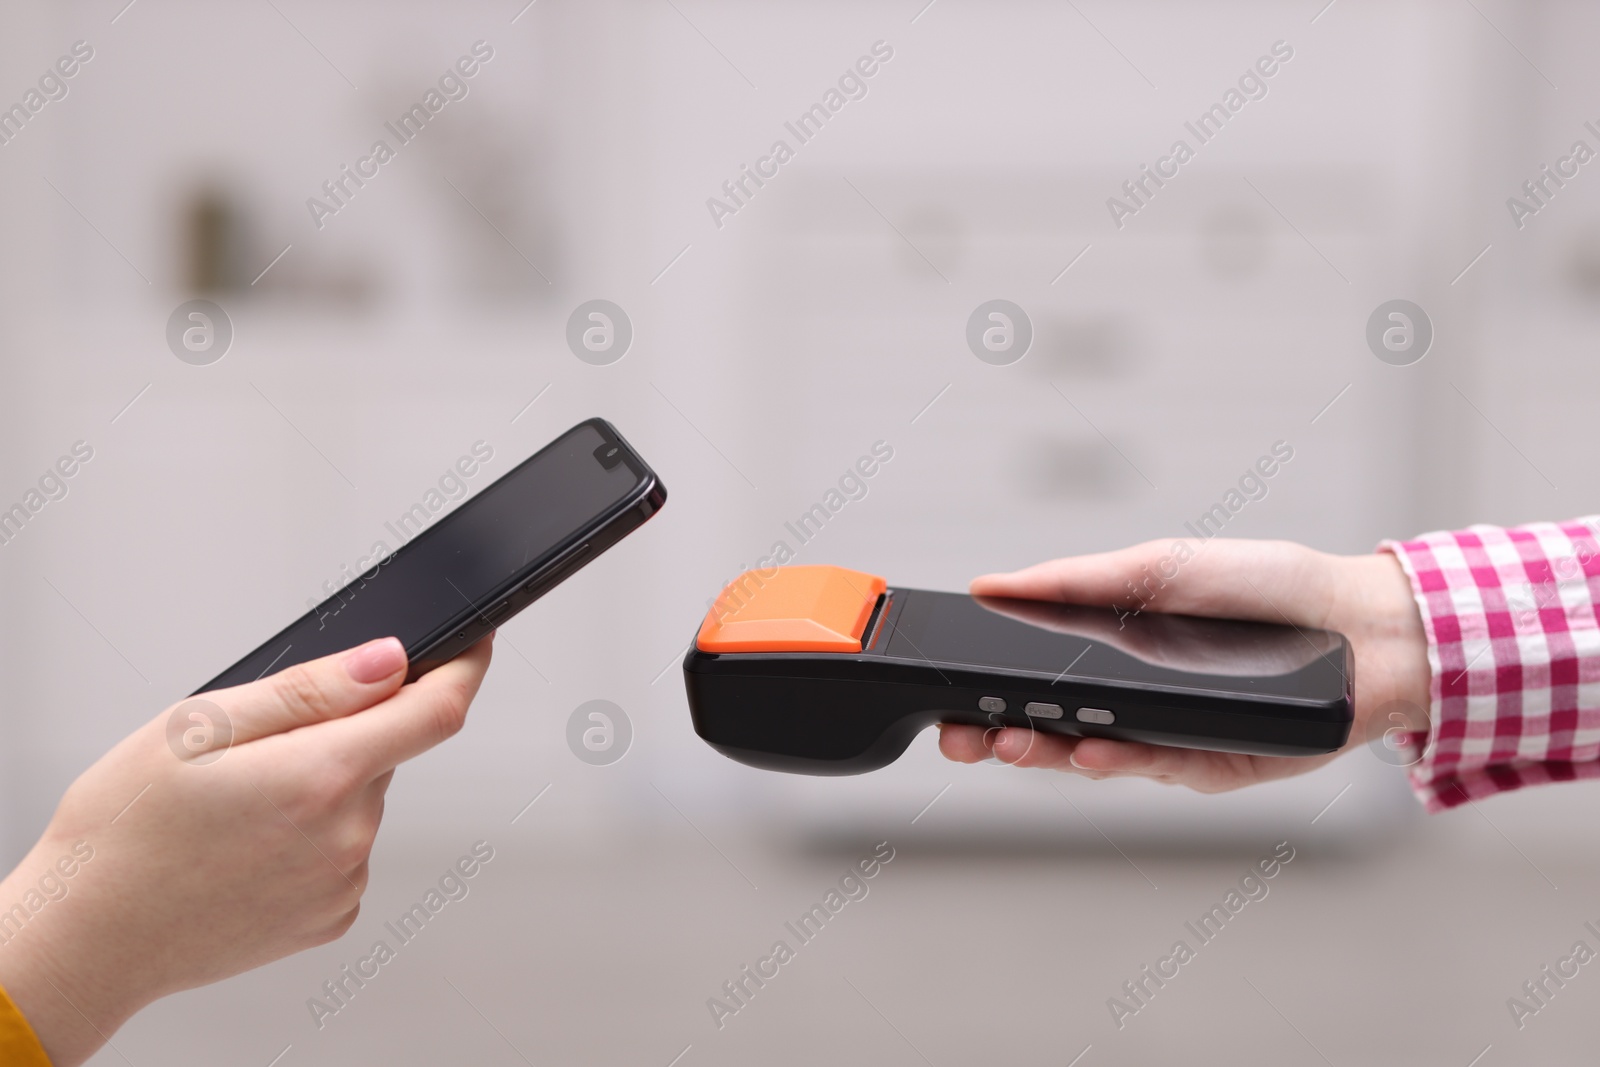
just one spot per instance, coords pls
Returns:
(372, 799)
(371, 804)
(1093, 757)
(314, 692)
(1200, 770)
(1270, 581)
(1029, 748)
(963, 744)
(1136, 758)
(1090, 757)
(1021, 747)
(335, 930)
(359, 877)
(415, 719)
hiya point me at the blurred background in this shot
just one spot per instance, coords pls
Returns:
(373, 345)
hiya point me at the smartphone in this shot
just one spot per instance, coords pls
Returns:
(824, 670)
(499, 551)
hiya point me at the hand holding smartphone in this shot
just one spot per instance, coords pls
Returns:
(501, 550)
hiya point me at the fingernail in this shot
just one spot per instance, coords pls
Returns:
(376, 660)
(1072, 758)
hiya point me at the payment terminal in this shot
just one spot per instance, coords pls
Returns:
(825, 670)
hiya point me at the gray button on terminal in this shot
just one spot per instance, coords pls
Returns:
(991, 705)
(1043, 711)
(1098, 716)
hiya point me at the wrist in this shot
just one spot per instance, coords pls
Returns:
(1403, 628)
(1378, 611)
(48, 959)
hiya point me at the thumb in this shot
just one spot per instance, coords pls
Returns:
(1267, 581)
(321, 689)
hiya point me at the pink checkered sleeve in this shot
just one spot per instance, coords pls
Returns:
(1513, 622)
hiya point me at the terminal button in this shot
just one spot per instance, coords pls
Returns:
(1043, 711)
(795, 609)
(1098, 716)
(991, 705)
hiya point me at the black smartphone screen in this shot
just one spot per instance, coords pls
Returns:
(1078, 643)
(461, 564)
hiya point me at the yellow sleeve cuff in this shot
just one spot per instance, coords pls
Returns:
(19, 1046)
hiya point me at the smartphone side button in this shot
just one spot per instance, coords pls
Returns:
(991, 705)
(573, 556)
(498, 612)
(1098, 716)
(1037, 710)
